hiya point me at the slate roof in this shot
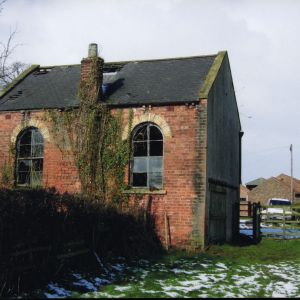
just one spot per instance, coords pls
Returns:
(157, 82)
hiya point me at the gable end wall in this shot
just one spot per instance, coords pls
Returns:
(223, 157)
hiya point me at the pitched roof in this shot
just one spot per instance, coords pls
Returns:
(257, 181)
(175, 80)
(287, 180)
(243, 191)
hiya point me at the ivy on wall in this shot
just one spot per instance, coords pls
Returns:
(94, 137)
(7, 172)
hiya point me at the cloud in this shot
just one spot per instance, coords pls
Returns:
(261, 37)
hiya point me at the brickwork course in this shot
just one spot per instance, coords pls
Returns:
(193, 103)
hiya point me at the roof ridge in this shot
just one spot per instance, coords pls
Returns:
(139, 60)
(162, 59)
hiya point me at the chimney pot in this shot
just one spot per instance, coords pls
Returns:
(93, 50)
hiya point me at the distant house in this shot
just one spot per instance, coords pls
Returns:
(254, 183)
(296, 184)
(274, 187)
(244, 192)
(185, 137)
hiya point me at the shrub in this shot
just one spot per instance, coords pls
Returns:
(43, 218)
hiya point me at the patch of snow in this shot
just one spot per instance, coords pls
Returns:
(203, 277)
(148, 291)
(180, 271)
(222, 266)
(118, 267)
(59, 291)
(122, 288)
(100, 281)
(172, 294)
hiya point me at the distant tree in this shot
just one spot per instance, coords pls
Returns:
(8, 71)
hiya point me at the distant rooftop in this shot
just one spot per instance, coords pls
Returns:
(257, 181)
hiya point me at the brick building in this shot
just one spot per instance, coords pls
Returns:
(186, 108)
(244, 192)
(275, 187)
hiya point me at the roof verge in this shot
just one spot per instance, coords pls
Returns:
(17, 80)
(212, 74)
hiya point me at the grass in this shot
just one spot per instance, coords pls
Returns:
(269, 269)
(268, 251)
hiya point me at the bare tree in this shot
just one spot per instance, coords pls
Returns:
(8, 71)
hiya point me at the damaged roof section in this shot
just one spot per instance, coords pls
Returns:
(124, 84)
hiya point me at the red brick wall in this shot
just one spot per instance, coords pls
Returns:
(180, 167)
(59, 170)
(180, 164)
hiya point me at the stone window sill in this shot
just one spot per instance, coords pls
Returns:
(144, 191)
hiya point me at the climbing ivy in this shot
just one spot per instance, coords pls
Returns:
(94, 136)
(7, 171)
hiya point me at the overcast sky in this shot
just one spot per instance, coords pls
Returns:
(262, 38)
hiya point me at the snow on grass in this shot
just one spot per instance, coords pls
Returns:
(187, 278)
(56, 291)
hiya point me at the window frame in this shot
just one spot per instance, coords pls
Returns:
(135, 130)
(30, 158)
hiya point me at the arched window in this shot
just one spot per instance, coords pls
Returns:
(30, 155)
(147, 157)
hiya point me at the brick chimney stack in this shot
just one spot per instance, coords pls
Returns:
(91, 76)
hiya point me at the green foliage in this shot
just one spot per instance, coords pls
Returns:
(94, 136)
(37, 218)
(6, 174)
(268, 251)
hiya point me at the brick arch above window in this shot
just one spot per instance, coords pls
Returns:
(149, 117)
(30, 123)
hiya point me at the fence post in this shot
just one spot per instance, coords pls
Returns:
(259, 220)
(256, 222)
(284, 223)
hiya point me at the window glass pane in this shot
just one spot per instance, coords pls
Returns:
(37, 137)
(30, 146)
(139, 179)
(36, 178)
(140, 165)
(140, 149)
(23, 178)
(25, 138)
(37, 165)
(141, 134)
(155, 133)
(24, 151)
(37, 150)
(155, 164)
(24, 165)
(156, 148)
(147, 164)
(155, 180)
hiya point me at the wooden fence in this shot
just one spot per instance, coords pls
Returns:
(246, 209)
(250, 219)
(284, 224)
